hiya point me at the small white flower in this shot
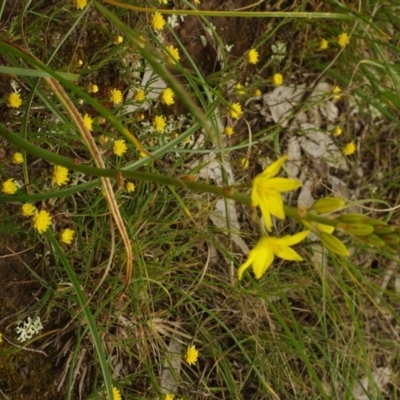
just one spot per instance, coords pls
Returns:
(29, 328)
(279, 50)
(228, 47)
(173, 21)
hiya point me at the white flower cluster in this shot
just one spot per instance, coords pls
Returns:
(29, 328)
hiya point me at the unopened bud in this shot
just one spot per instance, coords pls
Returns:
(356, 229)
(333, 244)
(327, 205)
(352, 218)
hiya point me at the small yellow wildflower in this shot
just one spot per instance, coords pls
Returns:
(235, 110)
(167, 96)
(262, 256)
(116, 96)
(349, 149)
(88, 122)
(14, 100)
(28, 209)
(324, 44)
(244, 163)
(266, 192)
(1, 338)
(79, 63)
(169, 396)
(41, 221)
(239, 89)
(277, 79)
(196, 1)
(163, 1)
(116, 394)
(119, 147)
(229, 130)
(343, 39)
(118, 39)
(80, 4)
(337, 131)
(157, 21)
(60, 175)
(17, 158)
(252, 56)
(140, 95)
(130, 187)
(337, 93)
(257, 93)
(92, 88)
(159, 123)
(9, 186)
(102, 139)
(67, 235)
(191, 355)
(172, 54)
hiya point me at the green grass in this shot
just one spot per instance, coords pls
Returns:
(305, 330)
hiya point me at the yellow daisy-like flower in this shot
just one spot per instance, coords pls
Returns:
(239, 89)
(140, 95)
(14, 100)
(88, 121)
(17, 158)
(119, 147)
(67, 235)
(157, 21)
(262, 256)
(257, 93)
(130, 187)
(324, 44)
(252, 56)
(244, 163)
(191, 355)
(172, 54)
(337, 131)
(343, 39)
(118, 39)
(277, 79)
(229, 131)
(41, 221)
(116, 96)
(80, 4)
(337, 93)
(9, 186)
(92, 88)
(60, 175)
(28, 209)
(169, 396)
(116, 394)
(167, 96)
(235, 111)
(349, 149)
(266, 191)
(159, 123)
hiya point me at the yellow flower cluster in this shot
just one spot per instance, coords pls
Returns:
(191, 355)
(17, 158)
(235, 110)
(140, 95)
(119, 147)
(9, 186)
(167, 96)
(80, 4)
(116, 96)
(157, 21)
(159, 123)
(60, 175)
(41, 221)
(277, 79)
(349, 149)
(67, 235)
(172, 54)
(88, 121)
(14, 100)
(252, 56)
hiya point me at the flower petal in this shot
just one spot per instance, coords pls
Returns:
(262, 262)
(243, 268)
(289, 240)
(264, 205)
(275, 204)
(283, 184)
(273, 169)
(287, 253)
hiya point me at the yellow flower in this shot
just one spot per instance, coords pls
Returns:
(252, 56)
(172, 54)
(157, 21)
(267, 189)
(324, 44)
(159, 123)
(337, 93)
(14, 100)
(119, 147)
(167, 96)
(343, 39)
(116, 394)
(244, 163)
(349, 149)
(267, 248)
(41, 221)
(191, 355)
(229, 131)
(257, 93)
(337, 131)
(118, 39)
(17, 158)
(235, 110)
(140, 95)
(60, 175)
(92, 88)
(116, 96)
(1, 338)
(67, 235)
(9, 186)
(239, 89)
(130, 187)
(88, 122)
(196, 1)
(80, 4)
(28, 209)
(163, 1)
(169, 397)
(277, 79)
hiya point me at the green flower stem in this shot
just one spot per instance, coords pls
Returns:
(294, 213)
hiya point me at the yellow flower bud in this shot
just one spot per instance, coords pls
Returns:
(333, 244)
(327, 205)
